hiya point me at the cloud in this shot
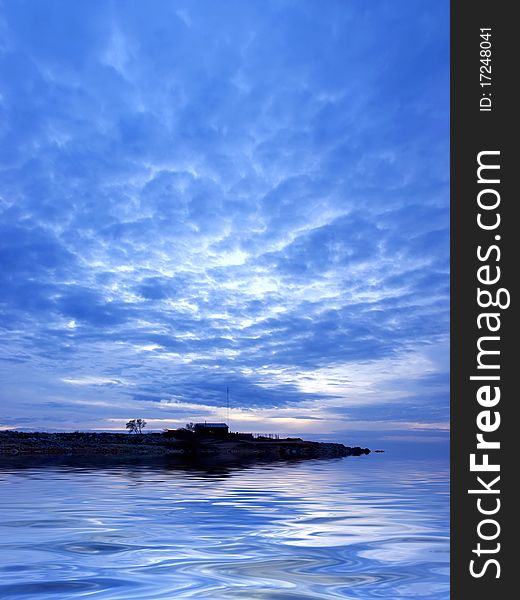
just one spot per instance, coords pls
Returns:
(203, 196)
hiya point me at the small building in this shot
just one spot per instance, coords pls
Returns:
(211, 429)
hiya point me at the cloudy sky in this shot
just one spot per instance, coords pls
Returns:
(200, 194)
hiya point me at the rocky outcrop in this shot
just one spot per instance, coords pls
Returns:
(15, 443)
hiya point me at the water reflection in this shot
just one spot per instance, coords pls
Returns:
(360, 527)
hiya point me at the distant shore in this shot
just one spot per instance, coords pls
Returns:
(17, 443)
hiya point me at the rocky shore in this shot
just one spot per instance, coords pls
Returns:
(16, 443)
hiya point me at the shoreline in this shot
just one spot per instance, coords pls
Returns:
(20, 444)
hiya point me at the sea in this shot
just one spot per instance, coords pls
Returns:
(364, 527)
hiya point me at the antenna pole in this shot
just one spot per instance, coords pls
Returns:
(227, 402)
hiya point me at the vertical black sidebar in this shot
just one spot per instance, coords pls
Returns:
(485, 262)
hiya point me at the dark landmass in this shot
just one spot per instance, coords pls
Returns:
(19, 444)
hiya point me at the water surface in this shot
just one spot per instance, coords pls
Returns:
(351, 528)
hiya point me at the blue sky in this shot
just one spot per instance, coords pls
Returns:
(204, 194)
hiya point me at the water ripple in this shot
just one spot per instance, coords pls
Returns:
(315, 530)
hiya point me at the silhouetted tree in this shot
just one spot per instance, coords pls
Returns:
(136, 425)
(190, 426)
